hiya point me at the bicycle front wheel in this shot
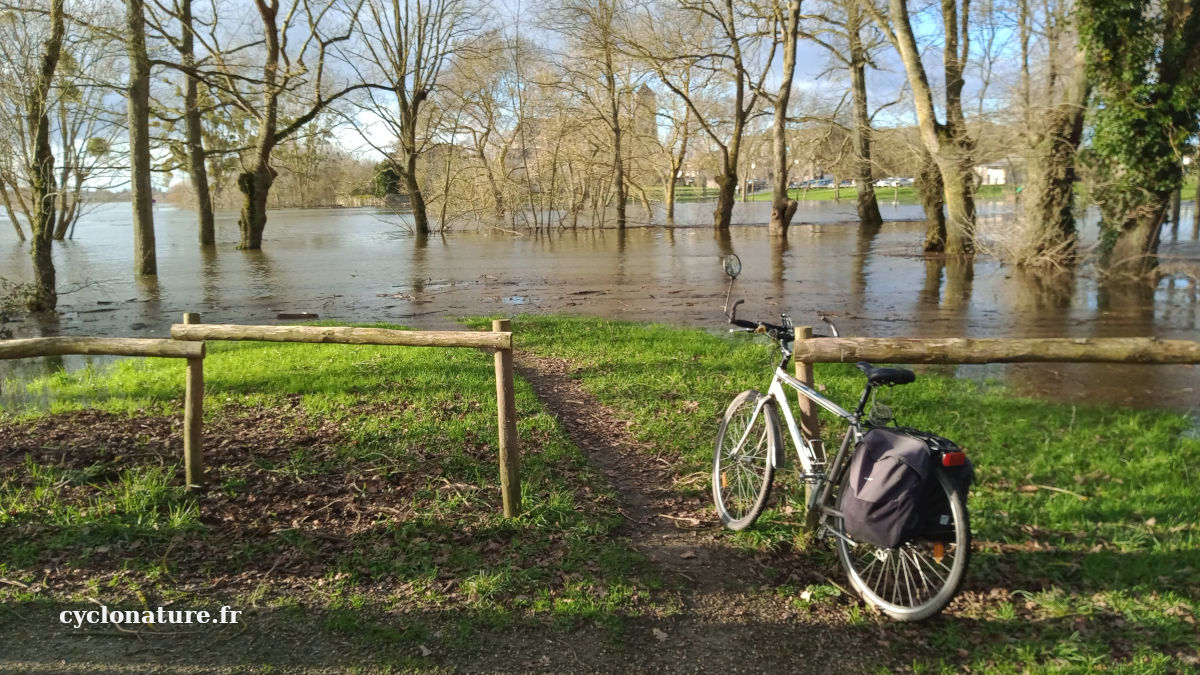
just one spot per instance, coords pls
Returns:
(917, 579)
(742, 467)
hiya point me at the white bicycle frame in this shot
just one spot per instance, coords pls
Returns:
(804, 451)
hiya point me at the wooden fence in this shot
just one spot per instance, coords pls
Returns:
(965, 350)
(193, 439)
(189, 336)
(498, 340)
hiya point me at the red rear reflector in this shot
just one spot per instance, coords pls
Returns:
(954, 458)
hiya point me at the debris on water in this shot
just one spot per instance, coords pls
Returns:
(296, 315)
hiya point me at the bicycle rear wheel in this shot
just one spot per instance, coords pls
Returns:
(917, 579)
(742, 467)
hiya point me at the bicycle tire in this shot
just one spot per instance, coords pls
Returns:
(742, 466)
(910, 582)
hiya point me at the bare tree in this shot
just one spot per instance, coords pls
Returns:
(177, 24)
(286, 68)
(1053, 103)
(39, 67)
(733, 41)
(948, 143)
(138, 97)
(410, 43)
(592, 73)
(783, 207)
(840, 28)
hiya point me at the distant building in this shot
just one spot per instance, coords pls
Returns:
(1006, 171)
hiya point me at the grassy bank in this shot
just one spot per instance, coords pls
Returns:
(904, 194)
(1085, 517)
(355, 506)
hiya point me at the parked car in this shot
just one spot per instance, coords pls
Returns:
(846, 183)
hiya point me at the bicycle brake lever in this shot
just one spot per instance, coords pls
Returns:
(832, 327)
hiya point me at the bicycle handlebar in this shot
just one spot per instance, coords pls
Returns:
(774, 331)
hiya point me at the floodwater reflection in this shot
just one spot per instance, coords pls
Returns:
(360, 265)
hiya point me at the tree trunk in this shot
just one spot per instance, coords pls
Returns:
(610, 82)
(42, 188)
(949, 144)
(197, 168)
(783, 207)
(1135, 246)
(959, 188)
(1176, 198)
(726, 184)
(255, 186)
(416, 198)
(669, 198)
(141, 189)
(930, 189)
(868, 205)
(1049, 190)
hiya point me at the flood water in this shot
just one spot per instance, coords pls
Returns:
(362, 265)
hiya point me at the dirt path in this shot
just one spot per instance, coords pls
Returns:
(729, 620)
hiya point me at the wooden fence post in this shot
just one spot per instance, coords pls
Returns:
(506, 411)
(804, 373)
(193, 417)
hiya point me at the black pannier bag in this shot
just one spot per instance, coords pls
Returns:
(889, 476)
(935, 521)
(893, 495)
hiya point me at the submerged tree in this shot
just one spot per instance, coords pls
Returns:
(286, 68)
(138, 98)
(409, 44)
(1053, 100)
(1144, 58)
(729, 39)
(783, 207)
(34, 109)
(844, 29)
(948, 143)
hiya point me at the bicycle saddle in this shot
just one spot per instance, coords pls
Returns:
(888, 376)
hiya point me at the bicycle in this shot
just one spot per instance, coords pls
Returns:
(910, 582)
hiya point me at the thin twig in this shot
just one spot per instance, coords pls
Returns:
(1058, 489)
(695, 521)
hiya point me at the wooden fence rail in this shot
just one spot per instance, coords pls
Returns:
(990, 350)
(193, 466)
(1001, 350)
(499, 340)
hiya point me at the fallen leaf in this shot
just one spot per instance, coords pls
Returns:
(425, 651)
(659, 635)
(687, 555)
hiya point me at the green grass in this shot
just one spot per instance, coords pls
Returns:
(1085, 517)
(401, 442)
(883, 194)
(684, 193)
